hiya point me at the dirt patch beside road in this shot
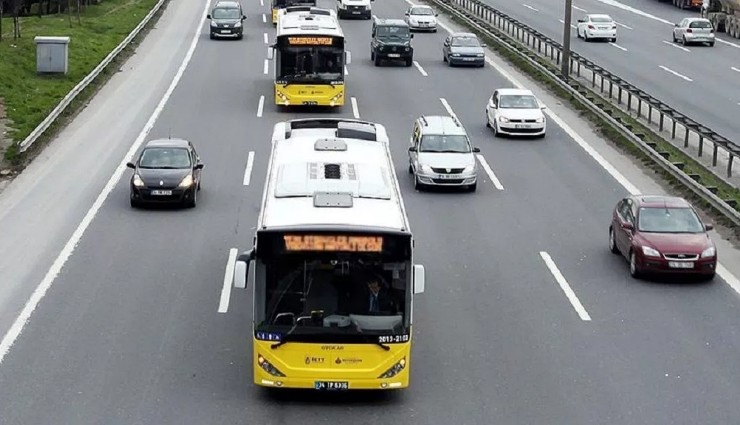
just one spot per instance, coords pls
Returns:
(6, 171)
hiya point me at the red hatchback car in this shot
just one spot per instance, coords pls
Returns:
(662, 234)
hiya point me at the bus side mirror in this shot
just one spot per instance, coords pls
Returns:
(418, 279)
(270, 52)
(347, 57)
(242, 267)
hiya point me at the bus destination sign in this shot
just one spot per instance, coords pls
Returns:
(333, 243)
(310, 41)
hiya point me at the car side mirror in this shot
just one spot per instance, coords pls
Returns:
(412, 35)
(436, 14)
(483, 45)
(419, 279)
(476, 150)
(244, 17)
(199, 166)
(407, 13)
(675, 25)
(207, 16)
(243, 266)
(581, 20)
(131, 165)
(543, 107)
(708, 226)
(412, 149)
(628, 226)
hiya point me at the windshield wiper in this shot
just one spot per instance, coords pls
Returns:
(284, 339)
(383, 346)
(451, 151)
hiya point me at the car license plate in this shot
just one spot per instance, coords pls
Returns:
(225, 31)
(468, 59)
(447, 176)
(394, 55)
(521, 126)
(681, 264)
(161, 192)
(355, 12)
(331, 385)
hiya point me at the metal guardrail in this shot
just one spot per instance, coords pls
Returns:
(89, 78)
(487, 28)
(626, 95)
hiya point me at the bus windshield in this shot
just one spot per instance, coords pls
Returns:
(310, 64)
(279, 4)
(333, 296)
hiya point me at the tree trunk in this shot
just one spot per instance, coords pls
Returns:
(79, 5)
(1, 20)
(16, 19)
(69, 12)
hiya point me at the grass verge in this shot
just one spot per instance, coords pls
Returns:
(29, 97)
(690, 166)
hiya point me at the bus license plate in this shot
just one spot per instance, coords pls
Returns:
(681, 264)
(310, 102)
(394, 55)
(161, 192)
(331, 385)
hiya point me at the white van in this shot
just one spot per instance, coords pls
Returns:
(354, 9)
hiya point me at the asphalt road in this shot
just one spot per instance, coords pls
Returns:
(130, 334)
(696, 80)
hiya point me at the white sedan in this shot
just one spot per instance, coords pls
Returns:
(421, 18)
(515, 112)
(593, 27)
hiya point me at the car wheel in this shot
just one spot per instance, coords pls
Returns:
(212, 36)
(444, 57)
(711, 44)
(473, 187)
(684, 42)
(495, 130)
(612, 242)
(411, 168)
(409, 62)
(417, 184)
(614, 40)
(585, 36)
(675, 40)
(377, 61)
(193, 200)
(372, 55)
(434, 30)
(488, 121)
(634, 269)
(241, 36)
(135, 203)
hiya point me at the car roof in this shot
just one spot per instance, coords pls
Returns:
(441, 124)
(421, 6)
(599, 15)
(391, 22)
(463, 34)
(519, 92)
(698, 19)
(167, 143)
(661, 201)
(227, 4)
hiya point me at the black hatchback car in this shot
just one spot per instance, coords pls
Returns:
(227, 20)
(167, 171)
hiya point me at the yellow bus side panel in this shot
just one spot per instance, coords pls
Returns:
(304, 364)
(274, 15)
(309, 94)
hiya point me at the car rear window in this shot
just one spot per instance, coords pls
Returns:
(601, 20)
(700, 24)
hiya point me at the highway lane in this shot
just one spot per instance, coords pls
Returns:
(145, 343)
(644, 50)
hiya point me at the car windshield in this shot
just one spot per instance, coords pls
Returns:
(444, 143)
(392, 31)
(700, 24)
(465, 42)
(669, 220)
(517, 101)
(168, 158)
(225, 13)
(421, 11)
(601, 20)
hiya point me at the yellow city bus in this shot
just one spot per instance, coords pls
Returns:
(309, 59)
(332, 232)
(281, 4)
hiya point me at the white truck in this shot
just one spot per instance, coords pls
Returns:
(724, 15)
(354, 9)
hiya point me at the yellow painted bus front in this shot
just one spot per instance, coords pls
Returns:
(309, 94)
(332, 366)
(274, 15)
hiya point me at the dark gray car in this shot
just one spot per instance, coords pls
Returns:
(391, 40)
(463, 48)
(227, 20)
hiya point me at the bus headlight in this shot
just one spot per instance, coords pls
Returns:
(268, 367)
(394, 370)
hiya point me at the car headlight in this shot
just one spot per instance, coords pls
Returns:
(213, 24)
(469, 169)
(186, 182)
(426, 169)
(709, 252)
(503, 119)
(455, 54)
(540, 120)
(480, 55)
(268, 367)
(138, 182)
(394, 370)
(238, 25)
(650, 252)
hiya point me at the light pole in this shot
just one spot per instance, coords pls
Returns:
(565, 64)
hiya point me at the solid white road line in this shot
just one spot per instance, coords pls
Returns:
(346, 71)
(530, 7)
(737, 46)
(260, 106)
(265, 67)
(578, 8)
(264, 18)
(262, 2)
(424, 73)
(574, 301)
(624, 26)
(725, 274)
(676, 46)
(38, 294)
(618, 46)
(571, 25)
(665, 68)
(265, 37)
(248, 169)
(489, 171)
(355, 109)
(223, 304)
(735, 69)
(448, 108)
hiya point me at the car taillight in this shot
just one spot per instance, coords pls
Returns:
(591, 27)
(614, 27)
(689, 30)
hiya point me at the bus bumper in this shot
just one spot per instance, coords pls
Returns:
(320, 95)
(263, 379)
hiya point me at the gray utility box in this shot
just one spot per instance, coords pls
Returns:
(52, 55)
